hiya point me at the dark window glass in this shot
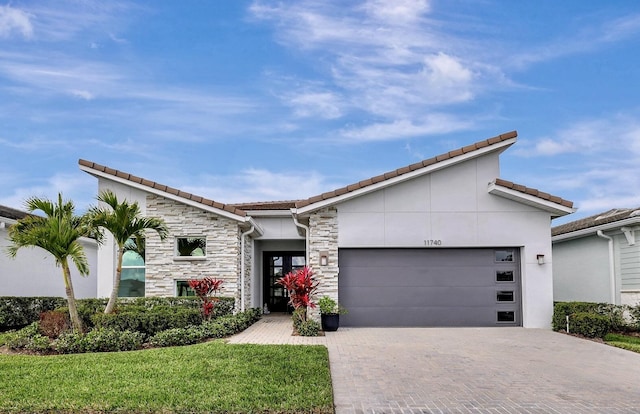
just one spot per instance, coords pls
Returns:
(191, 246)
(504, 255)
(506, 316)
(183, 289)
(505, 296)
(504, 276)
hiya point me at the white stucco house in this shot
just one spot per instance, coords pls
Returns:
(33, 272)
(597, 258)
(442, 242)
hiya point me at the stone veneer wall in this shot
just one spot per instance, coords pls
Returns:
(323, 237)
(248, 260)
(222, 256)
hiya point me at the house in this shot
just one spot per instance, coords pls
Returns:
(442, 242)
(33, 272)
(597, 258)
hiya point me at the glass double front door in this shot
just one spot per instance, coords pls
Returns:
(276, 265)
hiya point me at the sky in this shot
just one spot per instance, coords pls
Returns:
(243, 101)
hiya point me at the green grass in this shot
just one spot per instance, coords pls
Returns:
(631, 343)
(212, 377)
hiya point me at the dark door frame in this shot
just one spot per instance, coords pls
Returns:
(274, 295)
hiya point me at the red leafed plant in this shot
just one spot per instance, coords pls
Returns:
(301, 285)
(206, 288)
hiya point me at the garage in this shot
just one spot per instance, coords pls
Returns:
(430, 287)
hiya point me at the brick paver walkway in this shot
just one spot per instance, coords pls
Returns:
(467, 370)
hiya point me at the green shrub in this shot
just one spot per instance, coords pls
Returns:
(634, 311)
(69, 343)
(19, 311)
(110, 340)
(177, 336)
(222, 327)
(28, 338)
(590, 325)
(309, 328)
(98, 340)
(148, 321)
(613, 313)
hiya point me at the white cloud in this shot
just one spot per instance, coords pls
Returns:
(15, 20)
(400, 129)
(261, 185)
(86, 95)
(326, 105)
(397, 11)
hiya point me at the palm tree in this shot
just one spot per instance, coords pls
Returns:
(58, 233)
(124, 221)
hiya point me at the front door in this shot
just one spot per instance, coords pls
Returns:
(276, 265)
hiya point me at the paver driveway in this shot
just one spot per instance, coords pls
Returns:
(469, 370)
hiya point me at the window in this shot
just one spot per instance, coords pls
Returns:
(506, 316)
(132, 278)
(504, 255)
(183, 289)
(504, 276)
(504, 296)
(192, 247)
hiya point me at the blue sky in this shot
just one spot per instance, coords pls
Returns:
(245, 101)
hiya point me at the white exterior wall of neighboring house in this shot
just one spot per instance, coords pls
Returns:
(598, 258)
(33, 272)
(584, 268)
(452, 205)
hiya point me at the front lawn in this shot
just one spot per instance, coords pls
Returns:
(631, 343)
(211, 377)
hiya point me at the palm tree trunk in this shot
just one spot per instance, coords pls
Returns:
(71, 299)
(111, 305)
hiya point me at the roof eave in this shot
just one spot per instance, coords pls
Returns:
(164, 194)
(498, 147)
(556, 210)
(615, 225)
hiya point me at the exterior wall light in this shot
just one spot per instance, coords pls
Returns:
(324, 258)
(540, 258)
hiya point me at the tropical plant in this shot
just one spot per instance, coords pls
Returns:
(329, 306)
(301, 286)
(124, 221)
(59, 233)
(205, 289)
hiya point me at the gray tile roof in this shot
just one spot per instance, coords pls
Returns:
(152, 184)
(12, 213)
(607, 217)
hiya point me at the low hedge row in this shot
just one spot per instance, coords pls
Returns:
(17, 311)
(109, 339)
(148, 321)
(593, 320)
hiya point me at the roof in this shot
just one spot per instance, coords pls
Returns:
(534, 192)
(267, 205)
(608, 217)
(163, 188)
(12, 213)
(409, 168)
(240, 209)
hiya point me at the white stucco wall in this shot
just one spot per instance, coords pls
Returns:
(452, 206)
(33, 272)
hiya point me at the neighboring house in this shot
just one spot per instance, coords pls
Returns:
(597, 259)
(442, 242)
(33, 272)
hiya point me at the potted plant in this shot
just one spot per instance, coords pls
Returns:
(330, 312)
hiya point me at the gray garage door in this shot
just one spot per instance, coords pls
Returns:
(430, 287)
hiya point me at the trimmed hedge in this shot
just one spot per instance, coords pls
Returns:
(218, 328)
(148, 321)
(109, 339)
(589, 319)
(18, 311)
